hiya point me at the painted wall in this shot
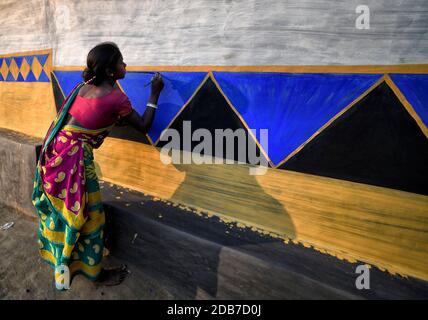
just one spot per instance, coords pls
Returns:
(339, 217)
(26, 101)
(220, 32)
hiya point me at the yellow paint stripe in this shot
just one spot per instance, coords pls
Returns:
(365, 93)
(27, 107)
(406, 104)
(59, 85)
(120, 86)
(370, 69)
(68, 68)
(27, 53)
(48, 65)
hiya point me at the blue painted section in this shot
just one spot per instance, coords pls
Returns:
(415, 89)
(30, 77)
(19, 60)
(43, 77)
(179, 86)
(10, 77)
(20, 78)
(29, 60)
(291, 106)
(68, 80)
(42, 58)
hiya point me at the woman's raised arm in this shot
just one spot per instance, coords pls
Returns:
(144, 123)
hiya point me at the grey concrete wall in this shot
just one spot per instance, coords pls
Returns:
(220, 32)
(17, 169)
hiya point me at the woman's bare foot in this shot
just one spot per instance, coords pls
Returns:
(112, 277)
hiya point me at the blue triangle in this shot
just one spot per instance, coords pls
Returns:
(20, 78)
(415, 89)
(42, 58)
(29, 60)
(291, 106)
(43, 77)
(31, 77)
(179, 87)
(8, 61)
(18, 61)
(67, 80)
(9, 77)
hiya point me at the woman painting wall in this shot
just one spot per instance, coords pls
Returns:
(66, 191)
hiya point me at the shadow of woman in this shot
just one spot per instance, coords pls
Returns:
(233, 196)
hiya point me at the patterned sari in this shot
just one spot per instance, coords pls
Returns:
(67, 198)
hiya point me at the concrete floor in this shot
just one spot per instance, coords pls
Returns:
(23, 275)
(179, 255)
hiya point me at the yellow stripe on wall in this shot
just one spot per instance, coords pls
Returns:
(384, 227)
(370, 69)
(27, 107)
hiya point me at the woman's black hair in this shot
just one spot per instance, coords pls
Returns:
(102, 56)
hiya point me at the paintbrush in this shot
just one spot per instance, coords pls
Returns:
(150, 80)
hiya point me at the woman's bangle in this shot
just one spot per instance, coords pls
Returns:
(151, 105)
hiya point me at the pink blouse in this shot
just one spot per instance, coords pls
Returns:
(96, 113)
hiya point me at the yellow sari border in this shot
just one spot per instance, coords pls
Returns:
(74, 128)
(75, 221)
(48, 256)
(94, 197)
(92, 271)
(75, 266)
(96, 220)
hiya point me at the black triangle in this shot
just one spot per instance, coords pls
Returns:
(209, 109)
(375, 142)
(58, 97)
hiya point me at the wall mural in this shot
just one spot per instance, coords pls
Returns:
(356, 135)
(28, 68)
(379, 142)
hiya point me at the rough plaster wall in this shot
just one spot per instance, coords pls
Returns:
(220, 32)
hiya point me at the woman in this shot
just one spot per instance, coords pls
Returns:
(66, 191)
